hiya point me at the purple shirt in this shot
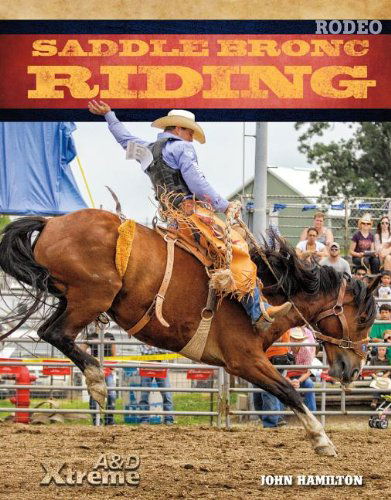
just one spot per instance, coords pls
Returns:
(363, 244)
(178, 154)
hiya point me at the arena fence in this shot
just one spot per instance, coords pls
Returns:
(223, 388)
(293, 213)
(23, 358)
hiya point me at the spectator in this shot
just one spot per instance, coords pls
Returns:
(360, 273)
(264, 401)
(303, 355)
(362, 247)
(378, 329)
(379, 360)
(387, 338)
(311, 247)
(383, 242)
(385, 312)
(325, 235)
(335, 260)
(383, 291)
(93, 331)
(160, 382)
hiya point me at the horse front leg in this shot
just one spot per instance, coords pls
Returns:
(258, 370)
(316, 433)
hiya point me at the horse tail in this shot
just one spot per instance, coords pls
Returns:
(17, 260)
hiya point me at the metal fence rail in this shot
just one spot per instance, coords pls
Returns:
(224, 391)
(291, 214)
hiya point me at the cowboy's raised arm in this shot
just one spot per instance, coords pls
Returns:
(195, 179)
(119, 131)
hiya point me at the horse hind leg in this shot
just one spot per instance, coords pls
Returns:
(61, 331)
(261, 372)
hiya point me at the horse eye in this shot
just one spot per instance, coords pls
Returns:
(361, 319)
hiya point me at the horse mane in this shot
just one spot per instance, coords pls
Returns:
(295, 276)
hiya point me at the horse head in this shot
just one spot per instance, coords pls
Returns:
(339, 309)
(344, 328)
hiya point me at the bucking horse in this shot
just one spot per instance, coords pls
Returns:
(73, 258)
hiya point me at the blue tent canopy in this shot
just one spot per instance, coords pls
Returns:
(35, 175)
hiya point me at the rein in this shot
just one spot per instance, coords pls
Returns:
(336, 310)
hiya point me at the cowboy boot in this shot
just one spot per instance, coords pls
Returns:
(270, 314)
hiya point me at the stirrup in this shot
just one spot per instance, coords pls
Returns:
(264, 313)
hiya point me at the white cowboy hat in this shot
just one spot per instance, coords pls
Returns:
(365, 218)
(181, 118)
(297, 333)
(381, 383)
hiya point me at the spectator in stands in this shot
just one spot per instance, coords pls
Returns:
(93, 334)
(380, 327)
(311, 248)
(387, 338)
(335, 260)
(385, 313)
(161, 383)
(264, 401)
(383, 291)
(360, 273)
(380, 359)
(325, 235)
(304, 355)
(383, 242)
(362, 247)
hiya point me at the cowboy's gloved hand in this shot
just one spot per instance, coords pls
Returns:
(98, 108)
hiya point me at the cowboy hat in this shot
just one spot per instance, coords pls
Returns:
(365, 218)
(181, 118)
(381, 383)
(297, 333)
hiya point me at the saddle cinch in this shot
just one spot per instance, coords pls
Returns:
(201, 233)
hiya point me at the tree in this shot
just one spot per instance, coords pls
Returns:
(355, 166)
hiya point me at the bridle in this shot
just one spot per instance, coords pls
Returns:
(337, 310)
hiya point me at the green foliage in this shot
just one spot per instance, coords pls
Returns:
(354, 166)
(4, 220)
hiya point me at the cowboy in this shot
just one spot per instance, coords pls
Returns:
(175, 168)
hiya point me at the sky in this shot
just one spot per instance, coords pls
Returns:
(220, 158)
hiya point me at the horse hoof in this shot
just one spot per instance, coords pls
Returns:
(326, 451)
(96, 386)
(98, 392)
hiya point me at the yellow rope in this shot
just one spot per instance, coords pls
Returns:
(85, 181)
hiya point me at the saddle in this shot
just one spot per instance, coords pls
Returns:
(203, 234)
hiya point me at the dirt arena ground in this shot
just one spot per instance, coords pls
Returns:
(193, 462)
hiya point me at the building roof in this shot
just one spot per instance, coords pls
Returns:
(297, 179)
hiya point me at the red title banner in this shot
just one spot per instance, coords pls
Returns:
(195, 71)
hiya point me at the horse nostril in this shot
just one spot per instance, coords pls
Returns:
(355, 374)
